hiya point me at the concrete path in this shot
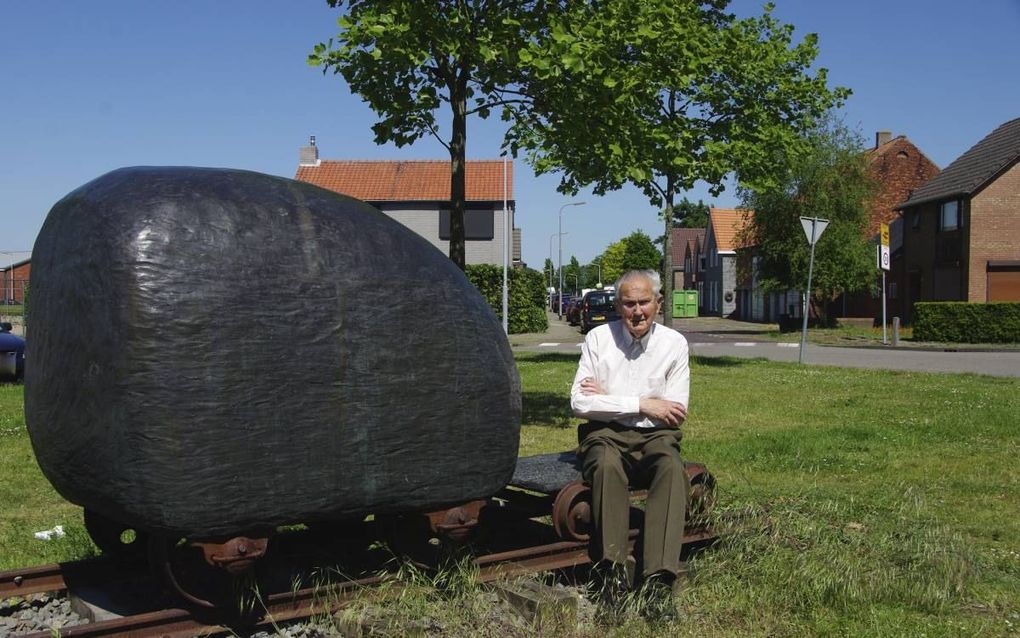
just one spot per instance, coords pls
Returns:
(714, 337)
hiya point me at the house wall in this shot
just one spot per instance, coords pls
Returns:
(14, 281)
(994, 231)
(900, 169)
(424, 220)
(935, 263)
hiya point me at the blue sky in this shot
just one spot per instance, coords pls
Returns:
(88, 87)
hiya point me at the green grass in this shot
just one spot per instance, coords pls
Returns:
(854, 502)
(857, 502)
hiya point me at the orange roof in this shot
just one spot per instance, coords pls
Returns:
(726, 223)
(408, 181)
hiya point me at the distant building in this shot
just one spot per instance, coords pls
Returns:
(961, 230)
(416, 193)
(899, 168)
(682, 243)
(722, 293)
(15, 281)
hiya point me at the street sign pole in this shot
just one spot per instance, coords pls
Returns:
(884, 258)
(813, 228)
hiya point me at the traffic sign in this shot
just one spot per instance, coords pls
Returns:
(883, 234)
(883, 257)
(813, 228)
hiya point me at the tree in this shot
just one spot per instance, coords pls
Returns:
(640, 253)
(406, 58)
(663, 94)
(831, 181)
(687, 214)
(612, 260)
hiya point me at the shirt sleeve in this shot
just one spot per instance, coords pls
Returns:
(678, 379)
(598, 407)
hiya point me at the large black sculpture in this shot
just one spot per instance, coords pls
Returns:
(218, 350)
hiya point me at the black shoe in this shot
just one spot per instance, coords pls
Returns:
(612, 587)
(659, 603)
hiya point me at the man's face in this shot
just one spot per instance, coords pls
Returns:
(637, 304)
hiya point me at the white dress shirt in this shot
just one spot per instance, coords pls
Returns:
(655, 366)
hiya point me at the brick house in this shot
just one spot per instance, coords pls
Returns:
(417, 194)
(899, 168)
(722, 292)
(961, 230)
(683, 246)
(15, 281)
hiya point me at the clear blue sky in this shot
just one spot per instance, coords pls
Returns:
(88, 87)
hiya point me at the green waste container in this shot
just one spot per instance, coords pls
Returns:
(685, 303)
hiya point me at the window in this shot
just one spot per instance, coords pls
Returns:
(949, 218)
(477, 223)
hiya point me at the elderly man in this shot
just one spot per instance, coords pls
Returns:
(633, 384)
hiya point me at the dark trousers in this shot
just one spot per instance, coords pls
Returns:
(615, 457)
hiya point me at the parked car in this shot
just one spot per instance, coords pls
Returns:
(598, 307)
(12, 354)
(573, 312)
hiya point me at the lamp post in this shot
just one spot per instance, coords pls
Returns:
(559, 306)
(552, 269)
(599, 266)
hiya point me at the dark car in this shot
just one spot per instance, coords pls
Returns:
(12, 354)
(598, 307)
(573, 311)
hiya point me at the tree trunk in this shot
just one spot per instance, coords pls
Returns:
(667, 256)
(458, 145)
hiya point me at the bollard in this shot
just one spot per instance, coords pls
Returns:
(895, 331)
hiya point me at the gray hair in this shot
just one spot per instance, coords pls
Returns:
(651, 275)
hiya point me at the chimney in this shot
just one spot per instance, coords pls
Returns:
(882, 137)
(309, 155)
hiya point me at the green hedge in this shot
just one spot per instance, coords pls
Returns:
(526, 298)
(962, 322)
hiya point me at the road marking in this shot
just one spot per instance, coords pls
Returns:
(744, 344)
(548, 345)
(788, 345)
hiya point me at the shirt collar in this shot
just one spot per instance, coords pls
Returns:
(644, 341)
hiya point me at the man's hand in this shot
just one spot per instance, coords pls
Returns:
(590, 386)
(669, 412)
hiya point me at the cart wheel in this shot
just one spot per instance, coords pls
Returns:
(114, 538)
(572, 512)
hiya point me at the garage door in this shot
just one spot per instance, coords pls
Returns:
(1004, 281)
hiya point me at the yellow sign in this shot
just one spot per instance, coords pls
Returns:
(883, 234)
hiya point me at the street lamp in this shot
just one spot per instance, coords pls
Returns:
(559, 312)
(599, 266)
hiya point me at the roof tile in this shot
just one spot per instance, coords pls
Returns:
(726, 224)
(402, 181)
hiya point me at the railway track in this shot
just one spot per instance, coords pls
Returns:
(274, 609)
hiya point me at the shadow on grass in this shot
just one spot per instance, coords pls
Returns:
(548, 357)
(725, 362)
(546, 409)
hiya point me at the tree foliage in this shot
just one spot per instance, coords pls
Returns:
(663, 94)
(640, 253)
(831, 181)
(407, 59)
(687, 214)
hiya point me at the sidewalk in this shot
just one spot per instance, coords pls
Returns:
(559, 332)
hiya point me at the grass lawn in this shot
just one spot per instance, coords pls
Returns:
(855, 502)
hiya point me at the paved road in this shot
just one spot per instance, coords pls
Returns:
(721, 337)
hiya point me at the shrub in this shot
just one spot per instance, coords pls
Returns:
(962, 322)
(526, 295)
